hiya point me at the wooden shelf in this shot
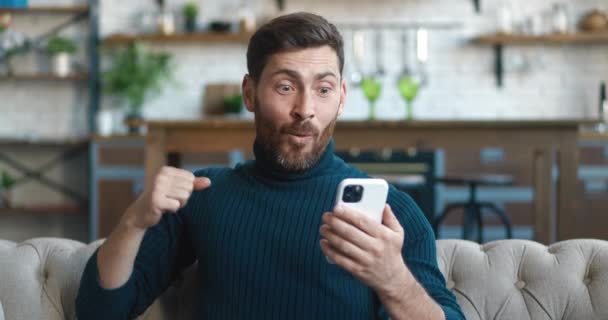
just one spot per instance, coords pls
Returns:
(569, 38)
(4, 142)
(44, 209)
(47, 9)
(118, 137)
(498, 41)
(45, 77)
(226, 37)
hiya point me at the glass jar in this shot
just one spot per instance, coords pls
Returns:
(560, 18)
(505, 20)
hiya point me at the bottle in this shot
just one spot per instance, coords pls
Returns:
(505, 20)
(247, 23)
(165, 21)
(560, 19)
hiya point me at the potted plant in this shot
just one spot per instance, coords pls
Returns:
(190, 15)
(6, 183)
(60, 49)
(233, 104)
(133, 76)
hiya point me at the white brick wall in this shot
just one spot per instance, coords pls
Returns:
(461, 84)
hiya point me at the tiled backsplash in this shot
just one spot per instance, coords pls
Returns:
(561, 82)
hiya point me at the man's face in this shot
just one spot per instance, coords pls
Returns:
(296, 102)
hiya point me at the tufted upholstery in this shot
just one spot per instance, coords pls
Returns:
(509, 279)
(519, 279)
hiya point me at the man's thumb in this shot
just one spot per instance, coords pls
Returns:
(201, 183)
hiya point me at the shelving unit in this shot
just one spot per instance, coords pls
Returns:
(66, 148)
(45, 77)
(218, 37)
(498, 41)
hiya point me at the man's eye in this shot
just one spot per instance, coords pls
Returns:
(284, 88)
(325, 90)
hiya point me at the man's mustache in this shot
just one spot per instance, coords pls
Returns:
(301, 129)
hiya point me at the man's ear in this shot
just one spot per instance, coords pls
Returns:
(248, 88)
(343, 90)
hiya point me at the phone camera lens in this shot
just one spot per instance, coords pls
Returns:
(352, 193)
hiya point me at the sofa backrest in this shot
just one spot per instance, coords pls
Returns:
(518, 279)
(508, 279)
(39, 277)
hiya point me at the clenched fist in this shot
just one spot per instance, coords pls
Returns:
(169, 191)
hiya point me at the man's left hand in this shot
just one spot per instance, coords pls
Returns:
(371, 252)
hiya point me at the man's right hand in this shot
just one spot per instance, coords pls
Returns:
(169, 191)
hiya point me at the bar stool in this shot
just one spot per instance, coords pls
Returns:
(473, 207)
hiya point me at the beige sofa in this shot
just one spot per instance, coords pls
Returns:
(511, 279)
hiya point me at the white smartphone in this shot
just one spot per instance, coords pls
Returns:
(367, 196)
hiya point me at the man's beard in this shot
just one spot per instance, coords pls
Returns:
(295, 159)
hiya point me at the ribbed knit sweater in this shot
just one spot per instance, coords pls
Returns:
(255, 234)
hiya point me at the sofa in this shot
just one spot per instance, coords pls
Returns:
(507, 279)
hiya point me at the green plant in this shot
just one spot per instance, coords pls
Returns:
(134, 74)
(233, 103)
(191, 10)
(6, 181)
(57, 45)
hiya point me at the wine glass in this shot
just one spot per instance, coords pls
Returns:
(371, 83)
(408, 87)
(372, 87)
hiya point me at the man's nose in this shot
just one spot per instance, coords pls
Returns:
(304, 108)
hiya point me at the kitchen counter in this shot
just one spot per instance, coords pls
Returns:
(549, 142)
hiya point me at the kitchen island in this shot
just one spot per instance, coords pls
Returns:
(549, 142)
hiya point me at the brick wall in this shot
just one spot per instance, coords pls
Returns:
(562, 82)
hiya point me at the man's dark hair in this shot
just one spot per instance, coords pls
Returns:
(299, 30)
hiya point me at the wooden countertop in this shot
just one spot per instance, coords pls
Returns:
(592, 135)
(226, 123)
(500, 124)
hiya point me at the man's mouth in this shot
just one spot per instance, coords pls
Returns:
(299, 137)
(301, 134)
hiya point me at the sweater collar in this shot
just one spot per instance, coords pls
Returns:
(268, 168)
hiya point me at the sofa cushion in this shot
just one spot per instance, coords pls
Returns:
(508, 279)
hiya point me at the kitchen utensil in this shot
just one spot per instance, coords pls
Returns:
(358, 44)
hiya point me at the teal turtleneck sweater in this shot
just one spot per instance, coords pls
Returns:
(255, 234)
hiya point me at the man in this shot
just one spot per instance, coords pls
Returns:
(262, 230)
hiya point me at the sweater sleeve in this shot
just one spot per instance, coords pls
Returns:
(164, 252)
(420, 254)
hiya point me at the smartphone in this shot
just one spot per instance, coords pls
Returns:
(367, 196)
